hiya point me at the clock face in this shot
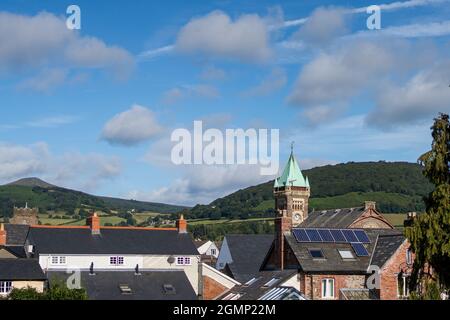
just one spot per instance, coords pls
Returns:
(297, 217)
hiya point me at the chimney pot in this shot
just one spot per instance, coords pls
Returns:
(181, 225)
(370, 205)
(2, 235)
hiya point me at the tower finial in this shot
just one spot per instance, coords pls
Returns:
(292, 147)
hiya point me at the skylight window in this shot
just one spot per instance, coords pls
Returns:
(250, 282)
(346, 254)
(271, 282)
(169, 289)
(316, 253)
(125, 289)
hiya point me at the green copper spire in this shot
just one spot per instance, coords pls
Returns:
(292, 175)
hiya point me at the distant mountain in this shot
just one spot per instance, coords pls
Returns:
(47, 197)
(396, 186)
(31, 182)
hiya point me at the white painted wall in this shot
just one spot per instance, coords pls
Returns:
(155, 262)
(207, 248)
(224, 255)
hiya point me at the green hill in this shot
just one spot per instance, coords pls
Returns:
(396, 186)
(46, 197)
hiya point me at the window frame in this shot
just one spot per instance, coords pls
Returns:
(116, 260)
(183, 261)
(58, 260)
(4, 286)
(322, 256)
(352, 257)
(324, 289)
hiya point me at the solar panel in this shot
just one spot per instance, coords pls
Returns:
(301, 235)
(349, 235)
(313, 235)
(359, 249)
(362, 236)
(326, 235)
(338, 236)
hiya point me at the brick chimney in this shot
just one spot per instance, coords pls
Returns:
(181, 225)
(2, 235)
(93, 222)
(283, 224)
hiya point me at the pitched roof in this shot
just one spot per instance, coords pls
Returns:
(16, 234)
(335, 218)
(20, 269)
(333, 262)
(247, 252)
(17, 251)
(149, 285)
(386, 246)
(292, 175)
(255, 289)
(110, 241)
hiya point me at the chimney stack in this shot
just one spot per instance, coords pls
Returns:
(370, 205)
(94, 223)
(181, 225)
(2, 235)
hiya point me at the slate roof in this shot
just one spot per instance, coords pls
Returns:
(149, 285)
(248, 253)
(20, 269)
(111, 241)
(257, 288)
(386, 246)
(16, 234)
(335, 218)
(332, 261)
(18, 251)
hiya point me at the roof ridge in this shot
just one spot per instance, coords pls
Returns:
(102, 227)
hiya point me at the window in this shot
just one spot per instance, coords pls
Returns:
(408, 257)
(316, 253)
(328, 288)
(346, 254)
(117, 261)
(402, 285)
(183, 261)
(5, 287)
(271, 282)
(58, 260)
(213, 252)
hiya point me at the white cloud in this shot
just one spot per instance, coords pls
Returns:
(52, 122)
(422, 97)
(276, 80)
(324, 25)
(177, 94)
(72, 169)
(215, 34)
(416, 30)
(44, 40)
(131, 127)
(203, 184)
(45, 81)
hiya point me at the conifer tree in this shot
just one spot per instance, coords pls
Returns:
(430, 233)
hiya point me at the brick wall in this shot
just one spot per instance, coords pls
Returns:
(311, 285)
(212, 289)
(390, 271)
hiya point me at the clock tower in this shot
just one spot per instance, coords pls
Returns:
(291, 192)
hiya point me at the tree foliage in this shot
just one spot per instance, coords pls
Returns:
(57, 291)
(430, 233)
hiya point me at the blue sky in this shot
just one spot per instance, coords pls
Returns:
(94, 109)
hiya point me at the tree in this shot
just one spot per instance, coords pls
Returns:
(429, 234)
(57, 291)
